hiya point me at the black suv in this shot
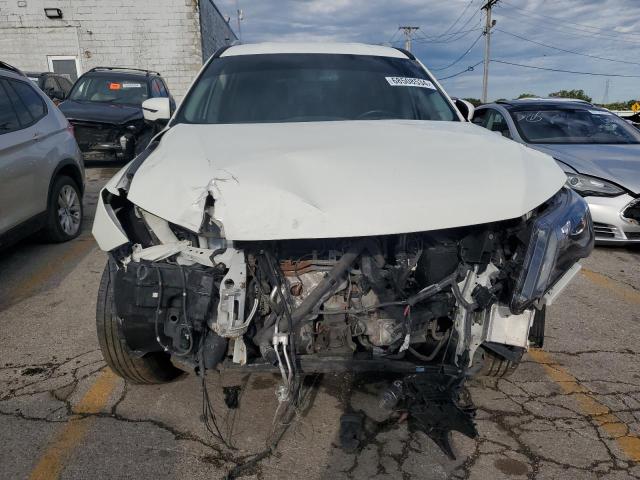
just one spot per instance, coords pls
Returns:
(56, 86)
(105, 108)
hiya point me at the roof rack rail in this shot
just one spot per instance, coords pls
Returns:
(11, 68)
(148, 72)
(555, 99)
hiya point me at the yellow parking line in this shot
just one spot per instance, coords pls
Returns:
(620, 290)
(66, 440)
(599, 413)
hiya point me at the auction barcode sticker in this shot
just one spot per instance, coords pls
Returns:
(409, 82)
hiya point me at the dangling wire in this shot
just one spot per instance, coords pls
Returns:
(208, 413)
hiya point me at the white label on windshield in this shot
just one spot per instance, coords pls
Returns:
(599, 112)
(131, 85)
(409, 82)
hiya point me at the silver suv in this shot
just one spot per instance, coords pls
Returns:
(41, 169)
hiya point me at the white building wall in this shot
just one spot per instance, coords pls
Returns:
(162, 35)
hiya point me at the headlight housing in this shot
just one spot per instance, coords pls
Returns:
(560, 236)
(592, 186)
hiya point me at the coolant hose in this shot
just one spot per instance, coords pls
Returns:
(329, 284)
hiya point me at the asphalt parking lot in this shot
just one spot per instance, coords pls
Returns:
(571, 411)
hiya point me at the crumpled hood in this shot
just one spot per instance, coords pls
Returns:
(617, 163)
(341, 179)
(100, 112)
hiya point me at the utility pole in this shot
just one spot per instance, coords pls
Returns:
(605, 97)
(408, 32)
(487, 46)
(240, 16)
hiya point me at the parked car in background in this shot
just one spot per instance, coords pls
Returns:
(324, 208)
(105, 107)
(55, 85)
(41, 170)
(599, 152)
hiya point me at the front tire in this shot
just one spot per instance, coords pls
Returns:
(150, 369)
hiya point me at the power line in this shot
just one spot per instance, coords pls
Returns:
(564, 22)
(459, 17)
(563, 28)
(567, 51)
(461, 56)
(436, 38)
(390, 41)
(451, 39)
(565, 71)
(470, 68)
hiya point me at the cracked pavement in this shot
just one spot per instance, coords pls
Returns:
(571, 410)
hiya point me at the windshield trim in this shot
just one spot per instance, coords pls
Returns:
(178, 117)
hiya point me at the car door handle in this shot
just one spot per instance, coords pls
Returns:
(38, 135)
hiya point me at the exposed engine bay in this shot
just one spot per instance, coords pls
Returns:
(433, 308)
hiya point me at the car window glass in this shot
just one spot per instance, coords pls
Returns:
(155, 89)
(8, 118)
(497, 123)
(573, 126)
(65, 85)
(163, 90)
(110, 89)
(480, 117)
(319, 87)
(30, 99)
(50, 84)
(24, 117)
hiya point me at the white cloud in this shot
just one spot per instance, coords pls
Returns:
(607, 28)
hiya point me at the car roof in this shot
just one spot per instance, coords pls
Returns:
(10, 70)
(119, 74)
(327, 48)
(39, 74)
(122, 72)
(537, 103)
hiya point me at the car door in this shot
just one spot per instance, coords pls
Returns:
(21, 195)
(11, 152)
(496, 122)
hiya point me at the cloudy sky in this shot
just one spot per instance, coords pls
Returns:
(609, 29)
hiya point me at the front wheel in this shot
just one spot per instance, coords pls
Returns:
(152, 368)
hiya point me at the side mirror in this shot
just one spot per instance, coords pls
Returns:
(59, 95)
(157, 110)
(465, 108)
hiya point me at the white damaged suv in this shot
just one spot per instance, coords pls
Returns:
(326, 208)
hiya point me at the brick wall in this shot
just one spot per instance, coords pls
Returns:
(214, 29)
(162, 35)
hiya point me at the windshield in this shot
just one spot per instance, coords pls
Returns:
(110, 90)
(313, 87)
(573, 126)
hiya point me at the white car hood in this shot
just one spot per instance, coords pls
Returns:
(341, 179)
